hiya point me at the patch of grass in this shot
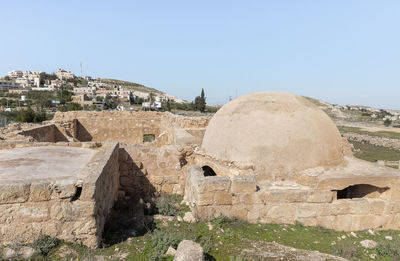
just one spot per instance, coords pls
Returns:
(222, 220)
(170, 205)
(44, 244)
(370, 152)
(389, 249)
(161, 241)
(386, 134)
(228, 241)
(348, 251)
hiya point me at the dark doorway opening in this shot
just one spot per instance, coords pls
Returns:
(360, 191)
(208, 171)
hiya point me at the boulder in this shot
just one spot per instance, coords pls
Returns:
(189, 217)
(369, 243)
(189, 251)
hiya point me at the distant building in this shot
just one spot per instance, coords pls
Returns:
(24, 82)
(46, 88)
(64, 75)
(146, 106)
(15, 74)
(6, 86)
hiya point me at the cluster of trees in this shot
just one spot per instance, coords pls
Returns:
(29, 115)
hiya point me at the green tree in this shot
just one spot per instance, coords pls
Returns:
(200, 102)
(166, 106)
(7, 78)
(27, 115)
(387, 122)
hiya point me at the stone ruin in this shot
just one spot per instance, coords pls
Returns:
(65, 177)
(277, 158)
(265, 157)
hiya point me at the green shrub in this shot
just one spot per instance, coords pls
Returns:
(44, 244)
(29, 115)
(388, 249)
(222, 220)
(347, 250)
(387, 122)
(168, 204)
(161, 241)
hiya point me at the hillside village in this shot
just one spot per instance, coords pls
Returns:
(87, 92)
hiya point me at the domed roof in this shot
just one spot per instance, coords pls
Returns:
(279, 133)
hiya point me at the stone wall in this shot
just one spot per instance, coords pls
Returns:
(374, 140)
(129, 127)
(73, 209)
(47, 133)
(146, 169)
(240, 197)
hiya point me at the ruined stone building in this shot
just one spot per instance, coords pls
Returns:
(264, 157)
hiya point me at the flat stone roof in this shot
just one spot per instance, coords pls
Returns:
(42, 163)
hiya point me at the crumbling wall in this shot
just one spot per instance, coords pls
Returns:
(73, 209)
(47, 133)
(129, 127)
(146, 169)
(240, 197)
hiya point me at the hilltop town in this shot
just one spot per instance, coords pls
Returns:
(64, 91)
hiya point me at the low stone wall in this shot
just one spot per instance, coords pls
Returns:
(374, 140)
(146, 169)
(240, 197)
(73, 209)
(128, 127)
(47, 133)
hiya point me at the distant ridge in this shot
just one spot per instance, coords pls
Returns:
(132, 85)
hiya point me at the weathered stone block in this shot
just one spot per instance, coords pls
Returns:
(222, 198)
(238, 211)
(217, 183)
(320, 196)
(36, 212)
(40, 192)
(204, 199)
(376, 206)
(64, 189)
(359, 206)
(338, 207)
(14, 193)
(241, 184)
(288, 196)
(307, 210)
(283, 213)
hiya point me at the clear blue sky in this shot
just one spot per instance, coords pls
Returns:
(341, 51)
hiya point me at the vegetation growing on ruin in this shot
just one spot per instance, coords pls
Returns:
(44, 244)
(170, 205)
(226, 239)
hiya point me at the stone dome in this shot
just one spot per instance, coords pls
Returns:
(278, 133)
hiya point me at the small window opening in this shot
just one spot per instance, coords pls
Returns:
(360, 191)
(78, 192)
(208, 171)
(148, 138)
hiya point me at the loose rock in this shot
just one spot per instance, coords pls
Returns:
(189, 251)
(369, 243)
(170, 252)
(189, 217)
